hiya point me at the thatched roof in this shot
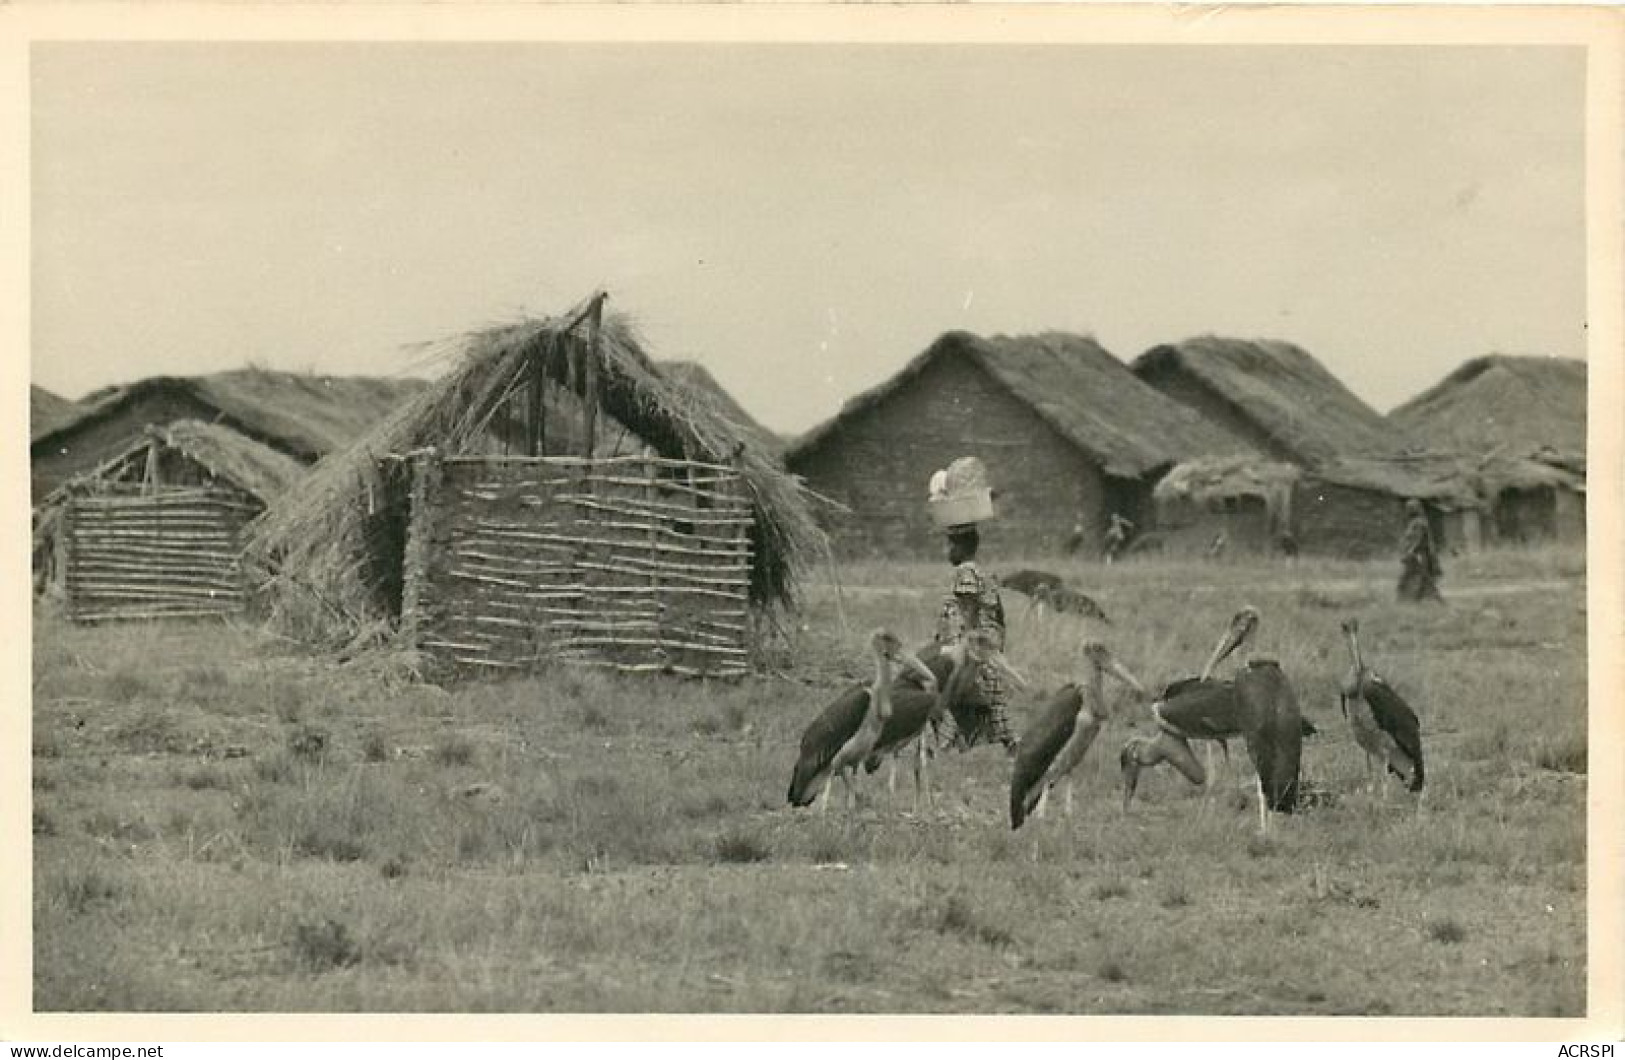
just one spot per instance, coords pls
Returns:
(303, 415)
(257, 470)
(319, 533)
(695, 376)
(1283, 391)
(46, 411)
(1511, 405)
(1441, 481)
(1074, 385)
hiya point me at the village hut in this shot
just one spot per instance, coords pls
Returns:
(1069, 436)
(47, 411)
(552, 497)
(703, 387)
(1273, 395)
(156, 530)
(1352, 507)
(1522, 422)
(301, 415)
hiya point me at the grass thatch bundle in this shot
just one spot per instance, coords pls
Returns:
(1210, 479)
(328, 538)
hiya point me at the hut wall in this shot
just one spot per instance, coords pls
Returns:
(1191, 392)
(1330, 519)
(86, 448)
(1526, 516)
(1569, 516)
(160, 555)
(636, 563)
(1188, 527)
(880, 461)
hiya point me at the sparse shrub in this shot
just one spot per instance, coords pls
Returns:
(1113, 971)
(958, 917)
(323, 841)
(324, 946)
(127, 686)
(374, 748)
(1176, 898)
(288, 701)
(203, 778)
(593, 717)
(152, 730)
(1446, 930)
(1565, 754)
(712, 805)
(308, 743)
(274, 769)
(1260, 846)
(741, 847)
(393, 869)
(826, 849)
(454, 750)
(204, 685)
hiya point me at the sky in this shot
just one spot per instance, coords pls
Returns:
(802, 219)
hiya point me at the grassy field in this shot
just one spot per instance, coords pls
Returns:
(222, 822)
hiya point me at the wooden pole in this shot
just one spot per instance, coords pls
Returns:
(538, 382)
(595, 323)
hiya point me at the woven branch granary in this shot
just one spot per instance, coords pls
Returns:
(553, 497)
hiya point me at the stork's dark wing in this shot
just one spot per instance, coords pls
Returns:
(1202, 710)
(910, 712)
(1396, 718)
(1274, 731)
(1039, 746)
(821, 740)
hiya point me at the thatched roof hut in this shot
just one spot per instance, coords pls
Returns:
(704, 387)
(1272, 395)
(1068, 434)
(301, 415)
(524, 427)
(1513, 405)
(47, 411)
(156, 530)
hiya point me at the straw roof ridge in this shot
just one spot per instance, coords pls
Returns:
(304, 415)
(1281, 389)
(1514, 404)
(47, 411)
(1443, 480)
(698, 378)
(1073, 384)
(318, 532)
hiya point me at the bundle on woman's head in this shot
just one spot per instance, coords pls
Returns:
(959, 495)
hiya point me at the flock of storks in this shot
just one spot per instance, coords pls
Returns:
(912, 692)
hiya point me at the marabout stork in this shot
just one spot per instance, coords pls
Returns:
(1257, 705)
(914, 709)
(842, 736)
(1066, 727)
(1384, 724)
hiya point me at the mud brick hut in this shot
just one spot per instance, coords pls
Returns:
(157, 530)
(705, 388)
(1521, 421)
(303, 416)
(553, 497)
(1353, 507)
(1067, 432)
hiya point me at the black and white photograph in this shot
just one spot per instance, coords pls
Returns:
(960, 512)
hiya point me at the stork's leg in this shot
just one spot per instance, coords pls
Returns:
(1069, 796)
(1263, 810)
(922, 787)
(1043, 800)
(891, 776)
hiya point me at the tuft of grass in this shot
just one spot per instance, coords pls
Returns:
(374, 748)
(126, 686)
(740, 847)
(1176, 898)
(323, 946)
(1565, 754)
(203, 778)
(1260, 846)
(1112, 971)
(454, 750)
(85, 888)
(1447, 930)
(308, 743)
(1106, 890)
(43, 825)
(151, 731)
(324, 840)
(959, 917)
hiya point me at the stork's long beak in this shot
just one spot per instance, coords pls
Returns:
(1123, 674)
(912, 662)
(1228, 643)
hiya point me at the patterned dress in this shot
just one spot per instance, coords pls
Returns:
(975, 598)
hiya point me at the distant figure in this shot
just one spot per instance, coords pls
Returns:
(1288, 544)
(974, 603)
(1118, 532)
(1418, 557)
(1215, 548)
(1075, 540)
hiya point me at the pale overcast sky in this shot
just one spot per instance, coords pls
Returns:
(802, 219)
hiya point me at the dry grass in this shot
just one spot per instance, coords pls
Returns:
(576, 842)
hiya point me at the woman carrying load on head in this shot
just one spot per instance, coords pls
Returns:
(972, 603)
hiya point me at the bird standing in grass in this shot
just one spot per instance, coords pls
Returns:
(1384, 725)
(1063, 733)
(1258, 705)
(916, 709)
(842, 736)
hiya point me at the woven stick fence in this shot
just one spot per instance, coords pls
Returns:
(167, 554)
(637, 563)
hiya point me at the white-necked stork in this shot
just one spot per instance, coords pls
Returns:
(1067, 725)
(842, 736)
(1384, 725)
(914, 708)
(1258, 704)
